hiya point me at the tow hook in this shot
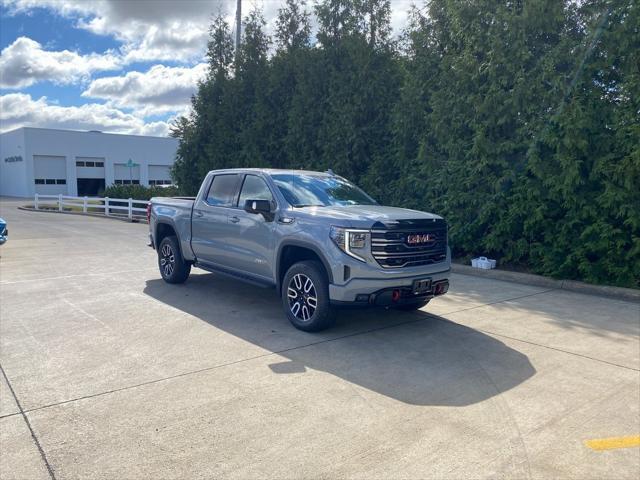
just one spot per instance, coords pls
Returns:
(441, 288)
(395, 295)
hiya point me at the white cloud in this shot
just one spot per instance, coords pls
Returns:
(24, 63)
(19, 109)
(161, 30)
(159, 90)
(400, 13)
(166, 30)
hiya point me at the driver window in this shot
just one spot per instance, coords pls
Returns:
(254, 188)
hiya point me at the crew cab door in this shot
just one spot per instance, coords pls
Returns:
(211, 231)
(253, 234)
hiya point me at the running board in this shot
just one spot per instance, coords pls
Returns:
(258, 282)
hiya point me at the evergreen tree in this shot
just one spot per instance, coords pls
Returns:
(517, 121)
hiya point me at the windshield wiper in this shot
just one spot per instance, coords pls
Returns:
(301, 205)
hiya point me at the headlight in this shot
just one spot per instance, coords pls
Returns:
(350, 241)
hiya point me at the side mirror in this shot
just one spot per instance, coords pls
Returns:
(258, 206)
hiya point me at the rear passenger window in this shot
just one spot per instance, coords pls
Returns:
(223, 190)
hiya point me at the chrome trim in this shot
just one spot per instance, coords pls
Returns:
(347, 240)
(400, 254)
(385, 250)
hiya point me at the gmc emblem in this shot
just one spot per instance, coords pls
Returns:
(420, 238)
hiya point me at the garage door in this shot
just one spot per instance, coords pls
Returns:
(50, 174)
(90, 175)
(90, 167)
(159, 175)
(123, 175)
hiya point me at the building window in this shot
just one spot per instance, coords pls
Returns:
(159, 182)
(118, 182)
(89, 164)
(50, 181)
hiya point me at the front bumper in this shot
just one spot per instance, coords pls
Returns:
(375, 291)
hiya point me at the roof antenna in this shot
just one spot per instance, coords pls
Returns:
(330, 172)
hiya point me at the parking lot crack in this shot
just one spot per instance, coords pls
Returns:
(227, 364)
(568, 352)
(26, 420)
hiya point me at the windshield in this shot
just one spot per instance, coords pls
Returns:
(307, 189)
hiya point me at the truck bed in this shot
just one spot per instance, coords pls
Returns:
(174, 212)
(178, 203)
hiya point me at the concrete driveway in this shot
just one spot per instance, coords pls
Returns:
(108, 372)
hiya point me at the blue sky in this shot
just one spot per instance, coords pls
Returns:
(124, 66)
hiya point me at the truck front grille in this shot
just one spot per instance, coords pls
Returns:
(409, 243)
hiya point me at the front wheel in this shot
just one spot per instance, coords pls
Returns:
(173, 267)
(305, 297)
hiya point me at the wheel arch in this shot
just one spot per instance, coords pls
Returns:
(293, 251)
(165, 228)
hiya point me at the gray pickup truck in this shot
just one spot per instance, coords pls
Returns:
(316, 238)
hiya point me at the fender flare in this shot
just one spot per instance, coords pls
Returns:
(301, 244)
(170, 223)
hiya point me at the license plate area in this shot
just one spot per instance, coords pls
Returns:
(421, 286)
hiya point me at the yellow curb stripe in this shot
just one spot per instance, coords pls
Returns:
(613, 442)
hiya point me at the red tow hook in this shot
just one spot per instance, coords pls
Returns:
(441, 288)
(395, 295)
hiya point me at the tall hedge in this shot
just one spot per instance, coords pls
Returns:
(518, 121)
(138, 192)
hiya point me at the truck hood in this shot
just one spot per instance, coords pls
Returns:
(364, 216)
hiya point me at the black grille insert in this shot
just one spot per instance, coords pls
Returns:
(391, 248)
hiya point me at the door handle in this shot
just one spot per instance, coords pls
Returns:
(198, 213)
(234, 219)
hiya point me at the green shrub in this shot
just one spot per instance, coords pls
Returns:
(139, 192)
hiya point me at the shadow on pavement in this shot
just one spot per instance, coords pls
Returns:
(600, 316)
(416, 358)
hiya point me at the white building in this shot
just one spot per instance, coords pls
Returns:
(49, 161)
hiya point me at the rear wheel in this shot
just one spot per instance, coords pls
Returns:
(173, 267)
(305, 297)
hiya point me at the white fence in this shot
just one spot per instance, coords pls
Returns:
(111, 207)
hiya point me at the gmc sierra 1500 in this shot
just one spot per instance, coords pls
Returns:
(317, 238)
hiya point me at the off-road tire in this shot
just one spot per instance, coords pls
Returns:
(298, 294)
(173, 267)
